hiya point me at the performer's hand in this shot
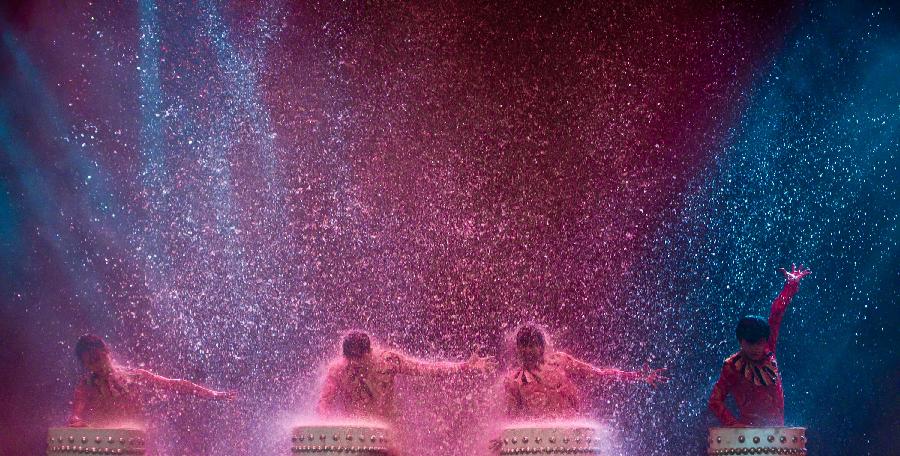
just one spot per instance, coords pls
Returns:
(495, 445)
(225, 395)
(482, 363)
(655, 376)
(77, 422)
(794, 275)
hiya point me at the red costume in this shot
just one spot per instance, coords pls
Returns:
(755, 386)
(119, 396)
(548, 391)
(367, 390)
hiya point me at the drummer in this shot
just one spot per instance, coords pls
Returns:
(111, 394)
(542, 384)
(751, 375)
(360, 383)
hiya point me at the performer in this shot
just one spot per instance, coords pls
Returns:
(751, 375)
(361, 382)
(110, 394)
(541, 385)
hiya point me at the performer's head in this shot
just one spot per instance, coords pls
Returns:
(530, 344)
(93, 353)
(753, 335)
(356, 346)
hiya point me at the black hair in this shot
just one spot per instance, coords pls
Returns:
(356, 344)
(87, 343)
(530, 334)
(752, 329)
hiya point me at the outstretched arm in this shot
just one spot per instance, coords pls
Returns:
(183, 386)
(588, 370)
(717, 398)
(779, 306)
(408, 365)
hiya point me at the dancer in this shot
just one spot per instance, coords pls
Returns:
(360, 383)
(751, 375)
(110, 394)
(541, 384)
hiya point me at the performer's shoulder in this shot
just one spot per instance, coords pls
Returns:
(732, 360)
(558, 357)
(391, 358)
(335, 366)
(389, 355)
(510, 375)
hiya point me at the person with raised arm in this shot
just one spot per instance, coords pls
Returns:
(751, 375)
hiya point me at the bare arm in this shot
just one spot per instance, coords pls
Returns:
(590, 371)
(408, 365)
(183, 386)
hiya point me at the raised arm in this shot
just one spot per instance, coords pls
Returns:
(717, 399)
(779, 306)
(587, 370)
(183, 386)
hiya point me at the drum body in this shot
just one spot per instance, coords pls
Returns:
(554, 440)
(70, 441)
(322, 440)
(770, 440)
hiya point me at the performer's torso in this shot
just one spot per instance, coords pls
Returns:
(758, 390)
(546, 392)
(369, 392)
(114, 400)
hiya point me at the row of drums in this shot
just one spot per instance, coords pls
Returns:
(355, 440)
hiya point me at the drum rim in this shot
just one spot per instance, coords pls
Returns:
(762, 427)
(92, 429)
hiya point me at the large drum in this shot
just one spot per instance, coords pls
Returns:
(553, 440)
(321, 440)
(69, 441)
(772, 440)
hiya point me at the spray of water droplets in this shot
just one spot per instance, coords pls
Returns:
(221, 189)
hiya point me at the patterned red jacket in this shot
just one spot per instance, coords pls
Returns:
(755, 386)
